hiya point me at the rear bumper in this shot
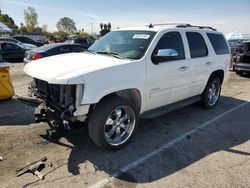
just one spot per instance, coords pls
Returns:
(242, 67)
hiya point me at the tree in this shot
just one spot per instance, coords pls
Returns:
(30, 17)
(22, 28)
(66, 25)
(105, 28)
(44, 28)
(8, 21)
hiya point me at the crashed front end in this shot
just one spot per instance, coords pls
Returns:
(60, 104)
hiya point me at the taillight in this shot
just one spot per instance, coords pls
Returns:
(36, 56)
(237, 59)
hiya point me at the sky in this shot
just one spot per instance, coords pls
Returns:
(225, 15)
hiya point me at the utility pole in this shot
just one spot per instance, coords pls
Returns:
(92, 28)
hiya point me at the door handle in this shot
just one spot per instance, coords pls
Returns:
(183, 68)
(208, 63)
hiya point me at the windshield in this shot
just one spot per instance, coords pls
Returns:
(126, 44)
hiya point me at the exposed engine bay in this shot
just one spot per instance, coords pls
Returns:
(58, 102)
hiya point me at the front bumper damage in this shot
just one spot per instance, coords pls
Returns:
(60, 104)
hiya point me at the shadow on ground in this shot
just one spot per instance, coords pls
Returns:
(152, 135)
(13, 112)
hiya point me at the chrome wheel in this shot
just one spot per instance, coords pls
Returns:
(213, 93)
(119, 125)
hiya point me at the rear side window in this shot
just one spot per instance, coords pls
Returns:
(171, 40)
(77, 49)
(64, 49)
(197, 45)
(219, 43)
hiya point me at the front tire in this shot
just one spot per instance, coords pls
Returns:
(211, 94)
(113, 123)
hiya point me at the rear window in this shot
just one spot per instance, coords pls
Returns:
(219, 43)
(197, 45)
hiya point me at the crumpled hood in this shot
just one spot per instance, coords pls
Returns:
(69, 68)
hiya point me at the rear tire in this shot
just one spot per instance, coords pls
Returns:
(211, 94)
(238, 72)
(113, 123)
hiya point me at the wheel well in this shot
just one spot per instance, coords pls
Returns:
(219, 74)
(132, 95)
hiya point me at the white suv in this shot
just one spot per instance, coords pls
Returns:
(144, 71)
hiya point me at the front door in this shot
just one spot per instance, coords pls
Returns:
(169, 80)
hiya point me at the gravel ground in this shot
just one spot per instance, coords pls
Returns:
(190, 147)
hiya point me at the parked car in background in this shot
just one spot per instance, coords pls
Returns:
(236, 53)
(85, 42)
(28, 40)
(11, 51)
(25, 45)
(243, 60)
(52, 49)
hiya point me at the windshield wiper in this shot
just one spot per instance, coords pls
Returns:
(113, 54)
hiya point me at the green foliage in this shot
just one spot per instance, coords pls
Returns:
(66, 25)
(30, 17)
(8, 21)
(82, 34)
(60, 35)
(105, 28)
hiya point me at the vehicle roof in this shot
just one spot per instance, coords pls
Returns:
(160, 27)
(9, 38)
(53, 45)
(20, 36)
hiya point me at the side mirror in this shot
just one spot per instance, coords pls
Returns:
(164, 55)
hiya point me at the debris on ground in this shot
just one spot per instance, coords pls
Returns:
(50, 165)
(34, 168)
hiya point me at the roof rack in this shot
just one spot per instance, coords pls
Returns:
(182, 25)
(162, 24)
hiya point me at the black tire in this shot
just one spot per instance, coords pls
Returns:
(214, 80)
(98, 121)
(238, 72)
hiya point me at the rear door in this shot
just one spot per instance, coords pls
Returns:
(200, 61)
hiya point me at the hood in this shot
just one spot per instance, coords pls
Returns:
(69, 68)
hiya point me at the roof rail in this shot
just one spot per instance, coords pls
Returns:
(181, 25)
(162, 24)
(197, 26)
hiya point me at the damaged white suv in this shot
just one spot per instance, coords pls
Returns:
(128, 73)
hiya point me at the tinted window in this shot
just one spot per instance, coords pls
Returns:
(171, 40)
(77, 49)
(7, 46)
(219, 43)
(64, 49)
(196, 44)
(24, 39)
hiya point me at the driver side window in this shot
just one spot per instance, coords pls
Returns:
(8, 46)
(171, 40)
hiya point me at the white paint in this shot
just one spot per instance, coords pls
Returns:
(144, 158)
